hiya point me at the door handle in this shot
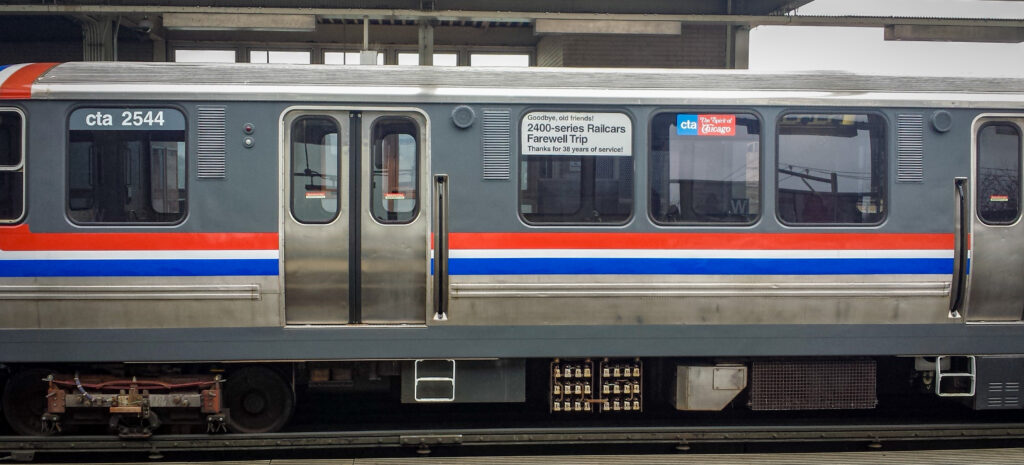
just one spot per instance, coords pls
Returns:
(960, 248)
(441, 247)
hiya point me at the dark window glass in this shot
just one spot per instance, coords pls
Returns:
(127, 172)
(394, 183)
(12, 198)
(999, 152)
(831, 168)
(705, 168)
(10, 139)
(12, 181)
(315, 195)
(576, 189)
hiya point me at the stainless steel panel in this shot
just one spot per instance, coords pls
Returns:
(680, 299)
(316, 256)
(994, 290)
(394, 257)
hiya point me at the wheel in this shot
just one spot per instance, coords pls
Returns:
(24, 402)
(258, 400)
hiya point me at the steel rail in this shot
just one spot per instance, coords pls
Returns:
(869, 433)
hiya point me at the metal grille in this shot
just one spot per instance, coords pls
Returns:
(813, 385)
(1003, 395)
(910, 148)
(497, 141)
(212, 145)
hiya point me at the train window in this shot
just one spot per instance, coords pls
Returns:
(705, 168)
(12, 173)
(831, 168)
(999, 158)
(315, 195)
(394, 183)
(557, 184)
(126, 165)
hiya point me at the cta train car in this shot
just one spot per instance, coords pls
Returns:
(208, 244)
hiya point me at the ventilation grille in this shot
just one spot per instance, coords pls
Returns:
(812, 385)
(910, 148)
(212, 145)
(1003, 395)
(497, 144)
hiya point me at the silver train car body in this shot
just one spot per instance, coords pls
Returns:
(235, 213)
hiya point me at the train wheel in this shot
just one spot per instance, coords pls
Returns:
(24, 402)
(258, 399)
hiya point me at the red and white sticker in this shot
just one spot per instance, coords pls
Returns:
(716, 125)
(316, 195)
(999, 198)
(394, 196)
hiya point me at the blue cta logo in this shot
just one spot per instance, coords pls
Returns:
(686, 125)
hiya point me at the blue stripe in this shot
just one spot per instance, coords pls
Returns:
(699, 266)
(55, 268)
(2, 67)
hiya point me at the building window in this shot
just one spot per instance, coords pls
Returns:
(315, 194)
(999, 158)
(126, 165)
(831, 168)
(297, 57)
(557, 184)
(440, 59)
(394, 183)
(347, 58)
(499, 59)
(182, 55)
(12, 166)
(705, 168)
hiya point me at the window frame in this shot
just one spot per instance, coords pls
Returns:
(1020, 170)
(342, 187)
(186, 210)
(21, 167)
(414, 214)
(519, 164)
(760, 168)
(885, 181)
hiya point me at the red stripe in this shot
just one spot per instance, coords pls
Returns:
(19, 85)
(703, 241)
(21, 238)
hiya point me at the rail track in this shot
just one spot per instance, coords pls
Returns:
(21, 448)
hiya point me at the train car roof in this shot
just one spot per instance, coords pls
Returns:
(188, 81)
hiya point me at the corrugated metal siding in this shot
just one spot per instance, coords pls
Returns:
(497, 143)
(910, 148)
(212, 163)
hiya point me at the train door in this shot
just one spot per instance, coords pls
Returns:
(996, 262)
(355, 231)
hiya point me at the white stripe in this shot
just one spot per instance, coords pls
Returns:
(691, 253)
(7, 72)
(141, 255)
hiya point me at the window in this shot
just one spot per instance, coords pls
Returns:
(440, 59)
(315, 195)
(299, 57)
(557, 186)
(204, 56)
(831, 168)
(126, 165)
(705, 168)
(999, 158)
(12, 167)
(394, 183)
(499, 59)
(347, 58)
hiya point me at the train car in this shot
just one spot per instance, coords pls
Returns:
(207, 244)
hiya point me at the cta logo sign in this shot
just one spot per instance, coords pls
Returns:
(706, 125)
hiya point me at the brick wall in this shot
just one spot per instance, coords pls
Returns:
(696, 47)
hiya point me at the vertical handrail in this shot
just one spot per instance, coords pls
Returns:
(441, 247)
(960, 249)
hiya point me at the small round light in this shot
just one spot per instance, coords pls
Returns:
(248, 128)
(249, 142)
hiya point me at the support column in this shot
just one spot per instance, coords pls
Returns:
(97, 38)
(426, 43)
(738, 47)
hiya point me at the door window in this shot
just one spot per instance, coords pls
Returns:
(314, 161)
(394, 183)
(999, 158)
